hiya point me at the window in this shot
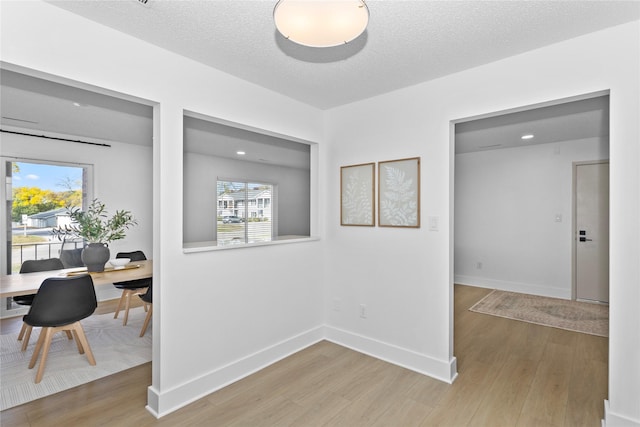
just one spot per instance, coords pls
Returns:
(40, 193)
(246, 223)
(210, 155)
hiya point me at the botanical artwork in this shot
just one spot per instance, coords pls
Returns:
(357, 195)
(399, 193)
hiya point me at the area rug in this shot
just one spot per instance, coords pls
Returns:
(115, 348)
(558, 313)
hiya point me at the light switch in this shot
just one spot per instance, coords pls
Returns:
(558, 217)
(434, 223)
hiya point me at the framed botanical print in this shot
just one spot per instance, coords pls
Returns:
(357, 195)
(399, 193)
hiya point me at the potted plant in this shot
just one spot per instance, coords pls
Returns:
(97, 229)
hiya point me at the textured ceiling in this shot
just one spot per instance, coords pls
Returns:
(407, 42)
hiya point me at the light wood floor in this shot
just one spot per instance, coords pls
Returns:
(510, 374)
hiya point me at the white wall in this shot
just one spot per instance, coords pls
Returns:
(405, 276)
(506, 203)
(201, 173)
(211, 325)
(130, 191)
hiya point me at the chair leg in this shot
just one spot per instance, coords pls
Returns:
(36, 350)
(146, 320)
(78, 343)
(27, 335)
(78, 331)
(139, 292)
(22, 331)
(122, 298)
(125, 303)
(45, 338)
(45, 352)
(126, 307)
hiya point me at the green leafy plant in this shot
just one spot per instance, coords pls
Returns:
(94, 226)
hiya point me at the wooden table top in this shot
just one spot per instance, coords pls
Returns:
(29, 283)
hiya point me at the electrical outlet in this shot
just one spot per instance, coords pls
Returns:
(363, 311)
(337, 304)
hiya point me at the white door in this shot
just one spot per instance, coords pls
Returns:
(592, 231)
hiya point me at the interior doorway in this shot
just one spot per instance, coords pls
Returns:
(513, 196)
(503, 230)
(114, 133)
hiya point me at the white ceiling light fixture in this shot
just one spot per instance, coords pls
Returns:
(321, 23)
(527, 136)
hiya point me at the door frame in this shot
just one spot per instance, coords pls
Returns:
(574, 222)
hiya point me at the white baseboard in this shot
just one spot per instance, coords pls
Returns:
(160, 404)
(614, 420)
(442, 370)
(524, 288)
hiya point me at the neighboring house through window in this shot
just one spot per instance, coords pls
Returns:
(40, 192)
(244, 212)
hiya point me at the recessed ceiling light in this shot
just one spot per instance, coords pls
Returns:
(527, 136)
(240, 153)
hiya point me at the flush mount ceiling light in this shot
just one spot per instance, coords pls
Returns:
(321, 23)
(527, 136)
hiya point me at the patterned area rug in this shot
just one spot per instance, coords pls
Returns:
(558, 313)
(114, 347)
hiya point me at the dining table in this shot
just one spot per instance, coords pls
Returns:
(29, 283)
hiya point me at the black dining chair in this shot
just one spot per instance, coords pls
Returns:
(147, 299)
(32, 266)
(131, 287)
(71, 253)
(59, 305)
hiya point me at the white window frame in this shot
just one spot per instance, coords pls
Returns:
(245, 207)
